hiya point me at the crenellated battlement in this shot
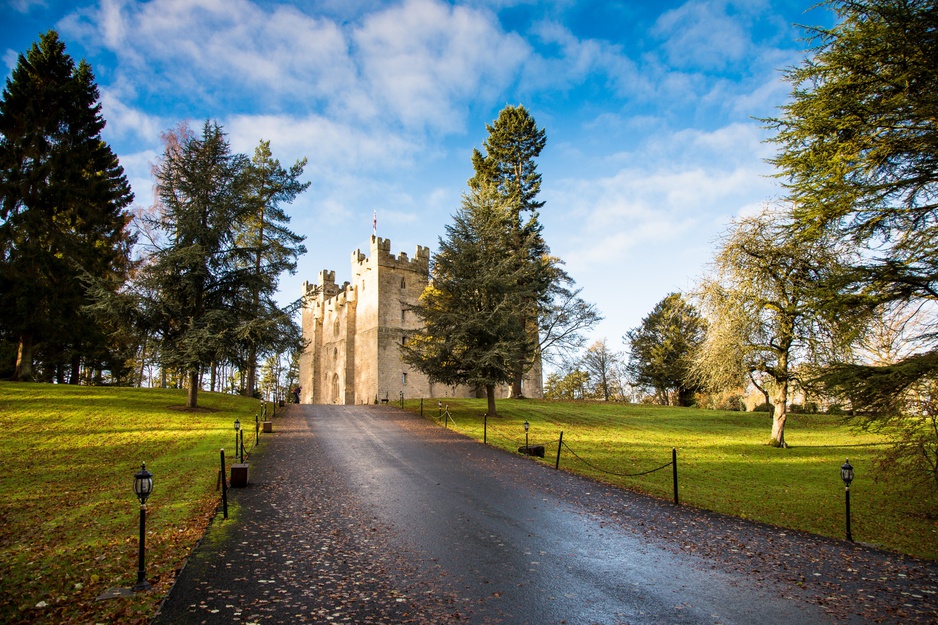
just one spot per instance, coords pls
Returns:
(381, 256)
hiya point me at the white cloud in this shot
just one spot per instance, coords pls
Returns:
(124, 120)
(137, 167)
(579, 60)
(9, 59)
(330, 145)
(25, 6)
(674, 186)
(700, 34)
(212, 50)
(425, 59)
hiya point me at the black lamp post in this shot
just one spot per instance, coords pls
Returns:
(143, 486)
(846, 474)
(527, 426)
(237, 428)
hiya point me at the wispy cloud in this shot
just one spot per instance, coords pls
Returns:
(674, 184)
(700, 34)
(25, 6)
(426, 60)
(330, 145)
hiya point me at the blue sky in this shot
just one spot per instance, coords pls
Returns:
(652, 148)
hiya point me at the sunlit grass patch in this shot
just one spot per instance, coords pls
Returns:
(68, 515)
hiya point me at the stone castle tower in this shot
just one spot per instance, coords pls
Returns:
(355, 332)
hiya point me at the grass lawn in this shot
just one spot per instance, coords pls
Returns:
(723, 464)
(69, 520)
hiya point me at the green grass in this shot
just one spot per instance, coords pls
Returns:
(68, 514)
(723, 463)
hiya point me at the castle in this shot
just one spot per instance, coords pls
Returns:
(355, 331)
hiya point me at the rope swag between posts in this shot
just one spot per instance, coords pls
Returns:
(561, 444)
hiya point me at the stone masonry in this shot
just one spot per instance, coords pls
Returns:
(355, 332)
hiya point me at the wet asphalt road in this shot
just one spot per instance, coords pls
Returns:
(506, 539)
(372, 515)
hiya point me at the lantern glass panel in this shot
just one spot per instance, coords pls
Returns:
(846, 473)
(143, 484)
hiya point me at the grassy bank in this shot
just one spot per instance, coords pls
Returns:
(68, 515)
(723, 464)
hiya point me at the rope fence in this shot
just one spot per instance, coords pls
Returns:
(526, 447)
(594, 467)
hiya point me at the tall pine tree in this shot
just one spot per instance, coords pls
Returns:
(269, 248)
(62, 216)
(509, 169)
(470, 324)
(194, 277)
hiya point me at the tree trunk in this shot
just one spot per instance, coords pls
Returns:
(490, 395)
(516, 391)
(251, 379)
(193, 396)
(143, 358)
(24, 359)
(780, 415)
(75, 374)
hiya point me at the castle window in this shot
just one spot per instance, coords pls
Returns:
(402, 314)
(335, 353)
(404, 379)
(335, 327)
(403, 340)
(403, 285)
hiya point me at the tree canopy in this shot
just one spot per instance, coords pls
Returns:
(471, 327)
(269, 248)
(762, 306)
(662, 347)
(601, 363)
(508, 169)
(194, 278)
(858, 155)
(63, 223)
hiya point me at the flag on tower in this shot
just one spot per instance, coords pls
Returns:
(374, 223)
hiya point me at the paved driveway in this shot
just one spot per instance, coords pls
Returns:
(370, 515)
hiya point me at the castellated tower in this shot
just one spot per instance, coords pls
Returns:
(355, 331)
